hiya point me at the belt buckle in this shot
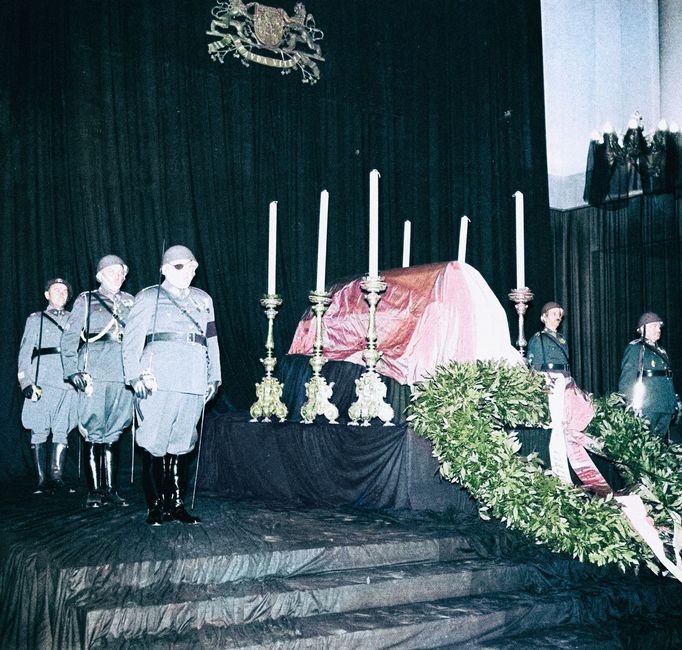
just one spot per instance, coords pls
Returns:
(550, 366)
(191, 337)
(119, 336)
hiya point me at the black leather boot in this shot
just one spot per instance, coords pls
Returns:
(57, 466)
(175, 484)
(152, 482)
(39, 452)
(93, 474)
(109, 475)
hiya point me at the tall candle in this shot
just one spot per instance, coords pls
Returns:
(520, 247)
(272, 248)
(374, 223)
(407, 233)
(463, 231)
(322, 242)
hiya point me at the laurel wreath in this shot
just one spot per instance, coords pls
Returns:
(469, 410)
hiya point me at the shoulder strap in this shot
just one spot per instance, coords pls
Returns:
(119, 320)
(53, 321)
(183, 310)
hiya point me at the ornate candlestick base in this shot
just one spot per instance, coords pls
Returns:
(317, 390)
(269, 390)
(369, 388)
(521, 296)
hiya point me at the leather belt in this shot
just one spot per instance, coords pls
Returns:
(658, 373)
(109, 336)
(554, 366)
(189, 337)
(40, 352)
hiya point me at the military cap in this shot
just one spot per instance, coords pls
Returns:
(648, 317)
(177, 253)
(550, 305)
(111, 260)
(52, 281)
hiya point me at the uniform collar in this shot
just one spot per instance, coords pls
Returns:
(174, 291)
(106, 293)
(56, 312)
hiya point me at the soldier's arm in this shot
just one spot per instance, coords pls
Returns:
(138, 323)
(534, 352)
(29, 340)
(214, 372)
(629, 369)
(71, 336)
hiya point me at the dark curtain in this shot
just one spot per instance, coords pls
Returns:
(612, 264)
(120, 133)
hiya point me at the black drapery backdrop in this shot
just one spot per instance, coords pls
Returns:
(613, 263)
(119, 132)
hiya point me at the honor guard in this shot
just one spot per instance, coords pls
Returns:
(93, 362)
(646, 376)
(49, 401)
(172, 361)
(548, 349)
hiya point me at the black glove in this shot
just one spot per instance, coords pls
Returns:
(211, 390)
(79, 381)
(28, 392)
(140, 388)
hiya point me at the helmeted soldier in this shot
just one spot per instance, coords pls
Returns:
(548, 349)
(49, 401)
(646, 376)
(172, 361)
(93, 362)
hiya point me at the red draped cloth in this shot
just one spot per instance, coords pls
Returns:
(428, 315)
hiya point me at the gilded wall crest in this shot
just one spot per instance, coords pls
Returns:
(256, 33)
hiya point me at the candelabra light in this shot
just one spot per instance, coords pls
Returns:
(521, 296)
(269, 389)
(369, 388)
(317, 390)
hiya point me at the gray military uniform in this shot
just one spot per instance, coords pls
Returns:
(100, 317)
(55, 411)
(175, 340)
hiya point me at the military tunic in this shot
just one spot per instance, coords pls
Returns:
(653, 363)
(548, 352)
(55, 411)
(175, 340)
(100, 317)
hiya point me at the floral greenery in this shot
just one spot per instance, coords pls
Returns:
(463, 410)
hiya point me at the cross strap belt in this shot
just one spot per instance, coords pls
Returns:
(554, 366)
(39, 352)
(658, 373)
(188, 337)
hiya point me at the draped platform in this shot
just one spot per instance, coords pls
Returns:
(257, 576)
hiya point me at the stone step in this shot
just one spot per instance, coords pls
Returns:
(281, 560)
(127, 613)
(449, 623)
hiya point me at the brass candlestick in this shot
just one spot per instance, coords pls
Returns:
(521, 296)
(369, 388)
(317, 390)
(269, 390)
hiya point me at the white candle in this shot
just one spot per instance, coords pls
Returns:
(520, 254)
(374, 224)
(272, 248)
(407, 233)
(322, 242)
(463, 230)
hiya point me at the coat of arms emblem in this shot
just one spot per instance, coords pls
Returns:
(268, 36)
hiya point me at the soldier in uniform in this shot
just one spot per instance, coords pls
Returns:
(172, 361)
(93, 362)
(548, 350)
(646, 376)
(49, 401)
